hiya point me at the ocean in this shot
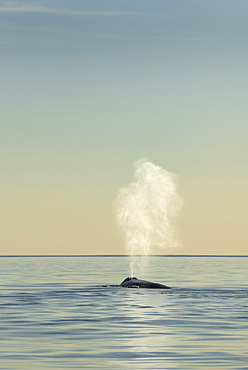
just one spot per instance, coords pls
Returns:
(68, 313)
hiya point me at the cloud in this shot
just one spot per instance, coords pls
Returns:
(35, 7)
(171, 38)
(23, 7)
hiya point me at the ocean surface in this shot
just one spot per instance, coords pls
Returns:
(67, 313)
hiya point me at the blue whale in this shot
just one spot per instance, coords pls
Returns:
(137, 283)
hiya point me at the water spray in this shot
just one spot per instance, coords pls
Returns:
(145, 211)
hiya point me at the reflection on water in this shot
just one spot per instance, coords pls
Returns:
(55, 313)
(148, 341)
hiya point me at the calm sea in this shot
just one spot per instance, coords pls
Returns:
(63, 313)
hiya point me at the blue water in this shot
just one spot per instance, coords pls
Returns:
(60, 313)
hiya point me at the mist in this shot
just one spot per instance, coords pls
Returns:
(145, 211)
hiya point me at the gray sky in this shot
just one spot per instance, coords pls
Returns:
(88, 87)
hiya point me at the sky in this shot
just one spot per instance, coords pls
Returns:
(88, 87)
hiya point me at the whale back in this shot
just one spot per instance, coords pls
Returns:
(133, 282)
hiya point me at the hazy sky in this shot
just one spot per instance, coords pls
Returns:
(88, 87)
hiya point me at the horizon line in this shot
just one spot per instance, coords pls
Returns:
(123, 255)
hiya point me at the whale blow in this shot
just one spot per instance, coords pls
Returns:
(137, 283)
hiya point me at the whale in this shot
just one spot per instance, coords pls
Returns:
(133, 282)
